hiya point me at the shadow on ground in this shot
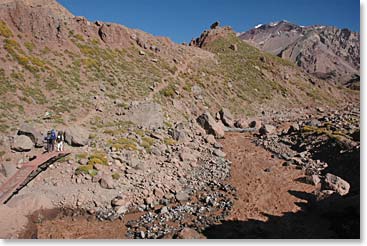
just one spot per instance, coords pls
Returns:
(331, 218)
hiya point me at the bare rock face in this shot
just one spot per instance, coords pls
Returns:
(207, 122)
(76, 136)
(337, 184)
(32, 133)
(327, 52)
(22, 143)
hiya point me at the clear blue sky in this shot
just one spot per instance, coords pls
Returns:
(182, 20)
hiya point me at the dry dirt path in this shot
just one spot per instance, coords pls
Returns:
(271, 202)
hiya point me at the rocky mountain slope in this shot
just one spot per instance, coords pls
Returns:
(327, 52)
(132, 106)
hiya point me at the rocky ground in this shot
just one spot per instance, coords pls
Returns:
(243, 186)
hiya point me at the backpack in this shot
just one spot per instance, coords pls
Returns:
(53, 135)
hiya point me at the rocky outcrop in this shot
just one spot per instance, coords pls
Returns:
(76, 136)
(212, 127)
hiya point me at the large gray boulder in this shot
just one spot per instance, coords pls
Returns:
(226, 117)
(76, 136)
(146, 114)
(35, 135)
(207, 122)
(22, 143)
(337, 184)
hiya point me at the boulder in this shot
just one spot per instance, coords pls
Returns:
(210, 140)
(233, 47)
(76, 136)
(255, 124)
(241, 123)
(187, 155)
(182, 196)
(313, 179)
(215, 25)
(146, 114)
(106, 182)
(207, 122)
(32, 133)
(188, 233)
(22, 143)
(179, 133)
(337, 184)
(267, 129)
(219, 153)
(226, 117)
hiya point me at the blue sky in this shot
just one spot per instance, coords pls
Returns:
(182, 20)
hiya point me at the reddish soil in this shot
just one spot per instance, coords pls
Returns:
(271, 203)
(260, 191)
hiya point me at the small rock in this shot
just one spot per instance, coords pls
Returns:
(219, 153)
(188, 233)
(182, 196)
(107, 182)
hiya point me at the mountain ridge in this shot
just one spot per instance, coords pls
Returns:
(327, 52)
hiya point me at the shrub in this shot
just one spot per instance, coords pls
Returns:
(4, 30)
(147, 143)
(169, 91)
(124, 143)
(116, 176)
(169, 141)
(98, 158)
(30, 46)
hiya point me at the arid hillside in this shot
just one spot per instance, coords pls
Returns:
(327, 52)
(142, 116)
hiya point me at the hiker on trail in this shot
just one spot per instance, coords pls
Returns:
(53, 140)
(60, 141)
(48, 141)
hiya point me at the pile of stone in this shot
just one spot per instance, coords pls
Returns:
(304, 142)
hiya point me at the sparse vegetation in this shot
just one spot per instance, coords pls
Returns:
(5, 30)
(98, 158)
(169, 141)
(123, 143)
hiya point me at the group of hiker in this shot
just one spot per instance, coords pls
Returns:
(53, 139)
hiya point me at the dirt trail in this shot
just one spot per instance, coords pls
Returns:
(261, 181)
(271, 203)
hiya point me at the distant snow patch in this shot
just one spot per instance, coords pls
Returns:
(257, 26)
(272, 24)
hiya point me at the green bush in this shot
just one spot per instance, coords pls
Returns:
(4, 30)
